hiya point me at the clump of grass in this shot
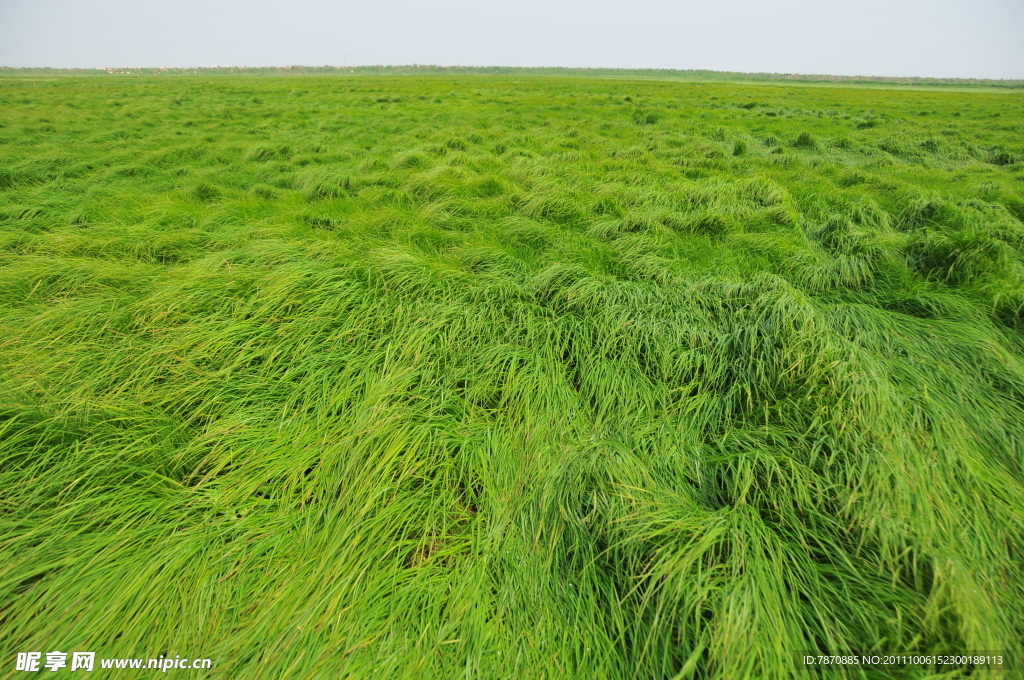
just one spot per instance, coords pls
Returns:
(410, 160)
(643, 116)
(7, 178)
(555, 206)
(455, 143)
(264, 191)
(266, 152)
(805, 140)
(205, 192)
(319, 220)
(1003, 157)
(960, 256)
(320, 187)
(709, 223)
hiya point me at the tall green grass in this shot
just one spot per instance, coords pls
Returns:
(491, 378)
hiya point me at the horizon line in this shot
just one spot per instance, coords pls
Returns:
(606, 69)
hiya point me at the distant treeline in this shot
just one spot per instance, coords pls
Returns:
(417, 69)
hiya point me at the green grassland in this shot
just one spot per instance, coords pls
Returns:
(509, 377)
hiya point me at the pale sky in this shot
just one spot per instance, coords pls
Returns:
(941, 38)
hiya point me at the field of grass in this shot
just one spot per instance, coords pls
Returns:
(509, 377)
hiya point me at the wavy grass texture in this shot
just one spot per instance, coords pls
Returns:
(509, 377)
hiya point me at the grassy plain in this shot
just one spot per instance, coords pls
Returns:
(509, 377)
